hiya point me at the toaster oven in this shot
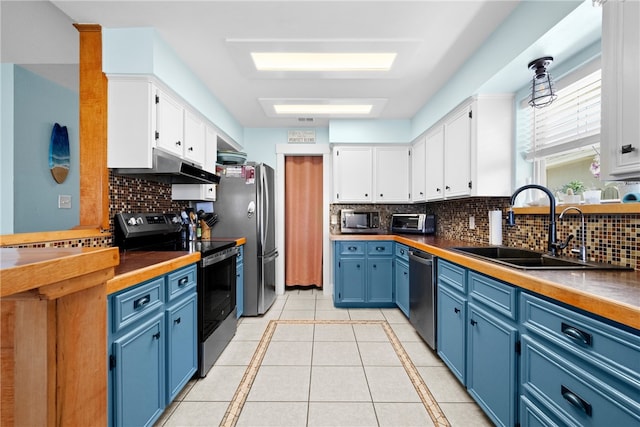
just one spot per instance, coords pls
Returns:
(413, 223)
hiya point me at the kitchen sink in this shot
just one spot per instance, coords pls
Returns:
(526, 259)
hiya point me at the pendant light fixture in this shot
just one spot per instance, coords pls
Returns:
(542, 88)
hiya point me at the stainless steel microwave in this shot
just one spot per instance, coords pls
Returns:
(359, 221)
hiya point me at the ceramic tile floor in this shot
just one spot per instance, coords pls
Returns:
(335, 367)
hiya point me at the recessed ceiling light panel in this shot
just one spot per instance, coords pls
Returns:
(323, 58)
(323, 61)
(323, 107)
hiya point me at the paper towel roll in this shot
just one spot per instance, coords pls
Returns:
(495, 227)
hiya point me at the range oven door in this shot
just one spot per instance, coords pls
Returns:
(216, 292)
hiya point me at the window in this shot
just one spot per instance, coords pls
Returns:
(561, 142)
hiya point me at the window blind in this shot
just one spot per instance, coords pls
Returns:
(570, 123)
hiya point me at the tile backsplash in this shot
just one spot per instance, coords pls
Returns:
(610, 238)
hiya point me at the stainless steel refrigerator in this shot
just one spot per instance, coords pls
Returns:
(245, 207)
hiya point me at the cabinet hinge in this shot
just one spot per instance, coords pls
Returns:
(409, 153)
(470, 184)
(337, 196)
(339, 264)
(518, 349)
(112, 362)
(157, 135)
(471, 114)
(337, 152)
(157, 99)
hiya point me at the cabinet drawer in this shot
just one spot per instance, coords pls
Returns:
(571, 392)
(611, 348)
(402, 251)
(131, 305)
(496, 295)
(181, 281)
(351, 248)
(452, 275)
(380, 248)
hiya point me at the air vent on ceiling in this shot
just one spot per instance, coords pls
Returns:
(305, 119)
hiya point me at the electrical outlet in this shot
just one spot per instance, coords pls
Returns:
(334, 219)
(64, 201)
(472, 222)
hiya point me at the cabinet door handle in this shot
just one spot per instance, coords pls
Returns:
(352, 248)
(366, 194)
(375, 266)
(183, 281)
(357, 265)
(473, 322)
(380, 248)
(405, 273)
(438, 190)
(456, 310)
(156, 336)
(178, 143)
(626, 149)
(380, 194)
(575, 400)
(576, 334)
(447, 187)
(190, 149)
(401, 251)
(177, 321)
(142, 301)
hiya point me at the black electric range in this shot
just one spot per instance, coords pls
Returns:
(216, 272)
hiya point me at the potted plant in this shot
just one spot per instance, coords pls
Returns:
(572, 191)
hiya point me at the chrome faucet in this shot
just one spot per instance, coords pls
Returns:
(552, 245)
(582, 251)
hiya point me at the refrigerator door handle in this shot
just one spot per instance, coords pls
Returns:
(265, 205)
(270, 257)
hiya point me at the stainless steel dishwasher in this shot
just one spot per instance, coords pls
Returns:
(422, 296)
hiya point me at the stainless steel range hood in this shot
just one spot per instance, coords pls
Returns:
(170, 169)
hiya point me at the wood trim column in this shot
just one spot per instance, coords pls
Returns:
(94, 174)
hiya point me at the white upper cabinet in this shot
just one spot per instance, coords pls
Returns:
(620, 143)
(352, 174)
(210, 149)
(418, 170)
(131, 123)
(194, 138)
(434, 165)
(392, 174)
(469, 152)
(144, 115)
(170, 132)
(457, 153)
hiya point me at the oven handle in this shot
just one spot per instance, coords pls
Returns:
(212, 259)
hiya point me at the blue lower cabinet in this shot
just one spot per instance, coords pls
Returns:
(364, 274)
(380, 280)
(138, 374)
(451, 330)
(491, 364)
(240, 281)
(182, 356)
(152, 342)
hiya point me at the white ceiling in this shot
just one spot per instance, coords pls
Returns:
(212, 37)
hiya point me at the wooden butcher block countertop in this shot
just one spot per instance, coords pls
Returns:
(612, 294)
(53, 271)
